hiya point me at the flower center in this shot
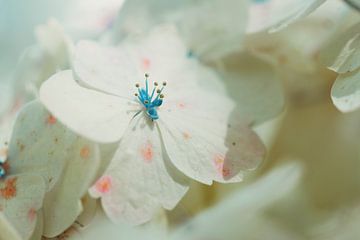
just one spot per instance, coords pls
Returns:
(150, 99)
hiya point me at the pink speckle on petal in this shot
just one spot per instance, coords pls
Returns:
(85, 152)
(181, 105)
(147, 152)
(186, 135)
(51, 120)
(145, 63)
(32, 214)
(219, 161)
(9, 190)
(104, 184)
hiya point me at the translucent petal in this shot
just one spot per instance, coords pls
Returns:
(342, 53)
(298, 10)
(206, 143)
(20, 198)
(63, 204)
(95, 115)
(211, 29)
(140, 178)
(345, 92)
(233, 217)
(38, 144)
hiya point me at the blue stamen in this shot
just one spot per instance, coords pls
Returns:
(147, 100)
(2, 168)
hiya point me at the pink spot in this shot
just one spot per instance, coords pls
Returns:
(9, 190)
(85, 152)
(32, 214)
(186, 135)
(103, 185)
(181, 105)
(219, 161)
(50, 119)
(145, 63)
(147, 152)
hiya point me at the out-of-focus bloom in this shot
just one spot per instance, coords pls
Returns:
(239, 216)
(342, 55)
(242, 215)
(193, 130)
(50, 54)
(47, 168)
(211, 29)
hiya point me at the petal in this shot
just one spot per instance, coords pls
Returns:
(295, 11)
(342, 53)
(63, 205)
(7, 229)
(106, 69)
(90, 206)
(204, 143)
(38, 144)
(253, 86)
(233, 218)
(38, 231)
(140, 178)
(50, 54)
(20, 198)
(210, 29)
(116, 70)
(102, 226)
(97, 116)
(345, 92)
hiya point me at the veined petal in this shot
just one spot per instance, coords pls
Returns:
(95, 115)
(345, 92)
(103, 68)
(204, 143)
(21, 197)
(116, 70)
(63, 205)
(140, 178)
(38, 144)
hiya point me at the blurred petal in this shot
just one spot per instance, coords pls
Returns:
(345, 92)
(232, 218)
(139, 179)
(63, 205)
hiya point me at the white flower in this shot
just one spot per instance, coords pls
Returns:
(191, 130)
(46, 164)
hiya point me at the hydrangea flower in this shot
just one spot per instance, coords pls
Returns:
(165, 126)
(47, 167)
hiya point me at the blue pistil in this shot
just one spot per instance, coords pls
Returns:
(150, 101)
